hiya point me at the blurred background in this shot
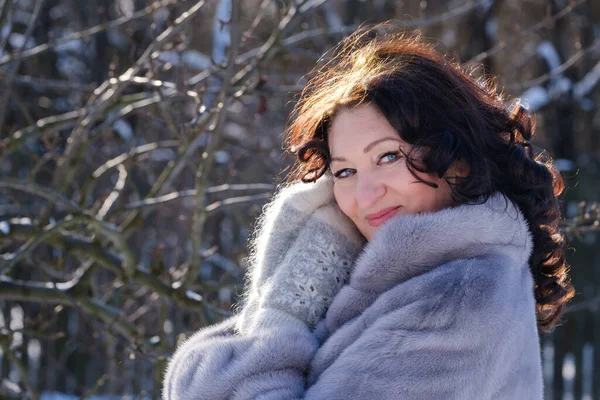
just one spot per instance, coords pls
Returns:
(139, 140)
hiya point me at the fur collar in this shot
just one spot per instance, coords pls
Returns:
(410, 245)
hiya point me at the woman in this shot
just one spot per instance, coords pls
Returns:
(420, 264)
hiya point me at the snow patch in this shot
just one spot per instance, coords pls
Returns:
(221, 36)
(535, 98)
(72, 46)
(5, 31)
(548, 52)
(196, 60)
(124, 130)
(117, 39)
(71, 67)
(491, 29)
(17, 41)
(171, 57)
(193, 295)
(563, 164)
(589, 81)
(126, 7)
(222, 157)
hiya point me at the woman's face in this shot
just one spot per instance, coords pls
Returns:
(371, 180)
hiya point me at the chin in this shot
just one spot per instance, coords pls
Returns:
(367, 232)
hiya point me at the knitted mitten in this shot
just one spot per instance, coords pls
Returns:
(301, 256)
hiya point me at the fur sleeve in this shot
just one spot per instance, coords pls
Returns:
(216, 363)
(465, 331)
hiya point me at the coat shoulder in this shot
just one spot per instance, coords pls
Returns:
(463, 293)
(462, 330)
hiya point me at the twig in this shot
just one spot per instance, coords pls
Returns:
(50, 293)
(106, 259)
(14, 357)
(266, 50)
(247, 186)
(591, 304)
(179, 295)
(45, 83)
(200, 213)
(31, 244)
(167, 198)
(587, 83)
(169, 88)
(160, 200)
(47, 124)
(236, 200)
(136, 151)
(5, 21)
(125, 106)
(40, 191)
(96, 387)
(15, 68)
(168, 174)
(104, 228)
(104, 97)
(455, 12)
(77, 245)
(114, 195)
(259, 16)
(548, 21)
(587, 219)
(87, 33)
(556, 71)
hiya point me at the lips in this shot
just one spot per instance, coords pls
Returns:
(380, 217)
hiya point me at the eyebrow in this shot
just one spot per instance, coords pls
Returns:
(369, 147)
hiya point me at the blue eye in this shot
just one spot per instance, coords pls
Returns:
(386, 158)
(391, 157)
(341, 173)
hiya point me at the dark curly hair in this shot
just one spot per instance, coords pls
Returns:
(447, 116)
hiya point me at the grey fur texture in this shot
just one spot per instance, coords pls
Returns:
(300, 256)
(439, 306)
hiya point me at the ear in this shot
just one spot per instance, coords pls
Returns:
(460, 168)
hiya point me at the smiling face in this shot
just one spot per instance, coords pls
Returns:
(372, 182)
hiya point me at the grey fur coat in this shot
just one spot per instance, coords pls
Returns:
(439, 306)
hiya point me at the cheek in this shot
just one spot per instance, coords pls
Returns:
(343, 199)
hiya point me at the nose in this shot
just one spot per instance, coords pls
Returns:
(368, 192)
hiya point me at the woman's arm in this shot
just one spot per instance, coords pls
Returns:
(265, 351)
(268, 363)
(454, 334)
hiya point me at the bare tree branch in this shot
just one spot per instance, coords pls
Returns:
(136, 151)
(37, 190)
(546, 22)
(101, 227)
(556, 71)
(106, 95)
(44, 83)
(5, 21)
(15, 68)
(12, 355)
(114, 195)
(167, 198)
(85, 34)
(236, 200)
(200, 212)
(591, 304)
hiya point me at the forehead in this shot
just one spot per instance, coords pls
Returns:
(356, 127)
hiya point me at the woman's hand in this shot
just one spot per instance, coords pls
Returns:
(302, 256)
